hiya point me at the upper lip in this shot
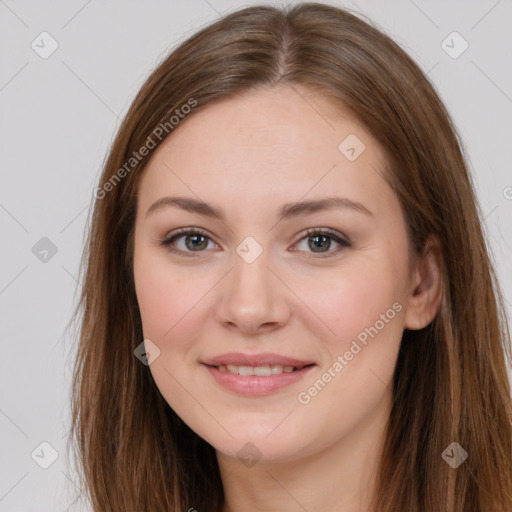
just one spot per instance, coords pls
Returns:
(262, 359)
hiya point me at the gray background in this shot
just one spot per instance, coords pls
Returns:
(59, 115)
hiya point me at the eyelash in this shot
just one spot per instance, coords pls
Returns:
(343, 243)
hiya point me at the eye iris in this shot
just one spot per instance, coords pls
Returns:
(195, 238)
(319, 242)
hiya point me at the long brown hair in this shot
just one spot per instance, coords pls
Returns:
(450, 385)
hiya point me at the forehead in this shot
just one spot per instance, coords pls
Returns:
(286, 141)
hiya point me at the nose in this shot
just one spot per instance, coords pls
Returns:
(252, 298)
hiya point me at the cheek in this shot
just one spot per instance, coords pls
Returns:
(158, 299)
(164, 298)
(175, 304)
(349, 300)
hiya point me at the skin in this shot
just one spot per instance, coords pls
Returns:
(250, 155)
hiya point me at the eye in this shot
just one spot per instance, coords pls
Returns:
(194, 240)
(319, 241)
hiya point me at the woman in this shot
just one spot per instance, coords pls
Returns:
(288, 303)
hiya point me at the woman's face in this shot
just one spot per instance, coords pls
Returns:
(297, 258)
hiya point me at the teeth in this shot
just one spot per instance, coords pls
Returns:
(243, 370)
(259, 371)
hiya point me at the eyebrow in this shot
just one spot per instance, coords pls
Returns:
(287, 211)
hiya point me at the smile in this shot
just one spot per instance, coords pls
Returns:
(256, 380)
(260, 371)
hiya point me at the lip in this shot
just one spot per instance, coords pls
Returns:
(253, 385)
(262, 359)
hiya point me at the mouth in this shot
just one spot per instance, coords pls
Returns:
(256, 374)
(259, 371)
(264, 364)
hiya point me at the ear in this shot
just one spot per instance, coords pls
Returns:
(425, 293)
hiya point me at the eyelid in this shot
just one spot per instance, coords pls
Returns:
(184, 231)
(340, 237)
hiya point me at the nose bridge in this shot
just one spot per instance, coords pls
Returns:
(250, 280)
(252, 296)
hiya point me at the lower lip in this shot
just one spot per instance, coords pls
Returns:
(253, 385)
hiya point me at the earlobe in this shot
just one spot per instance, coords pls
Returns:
(425, 292)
